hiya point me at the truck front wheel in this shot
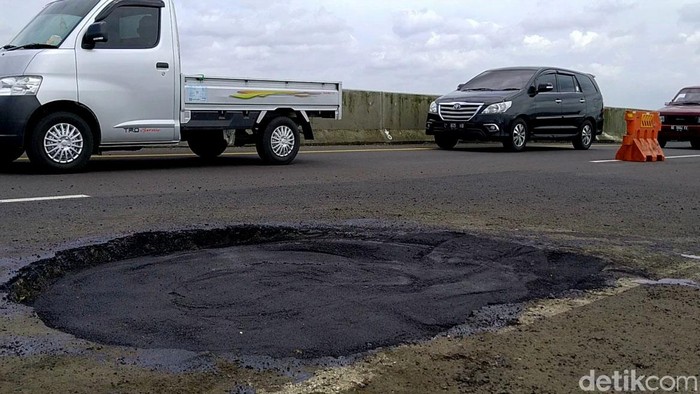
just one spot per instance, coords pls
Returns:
(280, 142)
(208, 145)
(60, 142)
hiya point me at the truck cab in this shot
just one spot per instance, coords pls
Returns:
(87, 76)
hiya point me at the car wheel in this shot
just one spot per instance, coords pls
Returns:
(662, 142)
(8, 154)
(208, 145)
(446, 142)
(280, 142)
(584, 139)
(60, 142)
(517, 139)
(695, 143)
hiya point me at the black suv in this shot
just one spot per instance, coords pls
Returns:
(515, 105)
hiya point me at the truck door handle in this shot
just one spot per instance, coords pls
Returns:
(162, 66)
(582, 101)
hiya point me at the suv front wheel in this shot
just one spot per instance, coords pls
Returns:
(445, 141)
(517, 138)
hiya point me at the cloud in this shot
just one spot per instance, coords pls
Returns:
(411, 22)
(537, 42)
(581, 40)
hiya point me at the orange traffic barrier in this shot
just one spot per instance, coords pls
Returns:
(642, 140)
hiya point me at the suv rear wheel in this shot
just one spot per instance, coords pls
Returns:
(695, 143)
(8, 154)
(517, 139)
(584, 139)
(445, 142)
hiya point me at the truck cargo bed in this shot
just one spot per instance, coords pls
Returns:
(224, 94)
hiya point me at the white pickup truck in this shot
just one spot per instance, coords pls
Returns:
(88, 76)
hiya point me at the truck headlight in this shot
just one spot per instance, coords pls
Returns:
(498, 108)
(20, 86)
(433, 108)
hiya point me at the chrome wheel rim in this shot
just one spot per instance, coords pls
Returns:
(63, 143)
(519, 135)
(586, 135)
(283, 141)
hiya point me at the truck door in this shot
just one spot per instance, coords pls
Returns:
(128, 79)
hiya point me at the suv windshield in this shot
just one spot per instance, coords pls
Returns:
(499, 80)
(687, 96)
(53, 24)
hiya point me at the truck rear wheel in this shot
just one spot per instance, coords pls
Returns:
(60, 142)
(280, 142)
(208, 145)
(8, 154)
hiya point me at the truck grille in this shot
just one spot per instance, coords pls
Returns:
(459, 112)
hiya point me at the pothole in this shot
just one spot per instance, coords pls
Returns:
(284, 292)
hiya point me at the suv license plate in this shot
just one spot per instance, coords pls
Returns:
(679, 128)
(455, 126)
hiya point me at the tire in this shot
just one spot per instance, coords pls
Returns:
(662, 142)
(280, 142)
(446, 142)
(517, 139)
(208, 145)
(8, 154)
(61, 142)
(585, 136)
(695, 143)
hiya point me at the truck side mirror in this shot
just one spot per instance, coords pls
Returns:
(97, 32)
(545, 87)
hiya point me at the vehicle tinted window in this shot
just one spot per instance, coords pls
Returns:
(132, 28)
(547, 79)
(567, 84)
(688, 95)
(500, 80)
(587, 84)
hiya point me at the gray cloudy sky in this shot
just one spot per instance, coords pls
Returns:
(641, 52)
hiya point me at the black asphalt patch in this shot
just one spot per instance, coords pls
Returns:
(299, 294)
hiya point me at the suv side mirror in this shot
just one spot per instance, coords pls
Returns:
(545, 87)
(97, 32)
(460, 86)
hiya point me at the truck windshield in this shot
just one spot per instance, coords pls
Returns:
(52, 25)
(499, 80)
(688, 96)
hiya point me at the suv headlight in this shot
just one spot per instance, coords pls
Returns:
(663, 119)
(20, 86)
(433, 108)
(498, 108)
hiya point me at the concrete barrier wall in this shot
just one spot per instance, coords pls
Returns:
(381, 117)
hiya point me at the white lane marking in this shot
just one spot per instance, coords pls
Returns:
(34, 199)
(667, 158)
(683, 157)
(690, 256)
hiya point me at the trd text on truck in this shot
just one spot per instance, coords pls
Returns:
(88, 76)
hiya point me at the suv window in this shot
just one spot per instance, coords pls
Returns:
(547, 79)
(586, 84)
(567, 84)
(132, 28)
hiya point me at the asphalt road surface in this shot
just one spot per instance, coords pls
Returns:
(641, 218)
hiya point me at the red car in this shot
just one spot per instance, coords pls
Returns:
(680, 118)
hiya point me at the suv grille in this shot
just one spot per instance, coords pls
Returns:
(459, 112)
